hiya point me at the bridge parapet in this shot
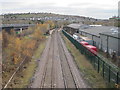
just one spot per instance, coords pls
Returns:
(8, 27)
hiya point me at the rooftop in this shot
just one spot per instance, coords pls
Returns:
(111, 34)
(96, 30)
(75, 25)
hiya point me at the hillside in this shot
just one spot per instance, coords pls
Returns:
(32, 18)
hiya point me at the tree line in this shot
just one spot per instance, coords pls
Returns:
(16, 47)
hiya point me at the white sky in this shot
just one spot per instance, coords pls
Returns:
(91, 8)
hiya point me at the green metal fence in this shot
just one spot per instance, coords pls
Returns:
(108, 72)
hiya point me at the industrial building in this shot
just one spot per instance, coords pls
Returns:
(110, 42)
(72, 28)
(106, 38)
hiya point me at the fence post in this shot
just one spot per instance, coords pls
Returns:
(117, 81)
(98, 65)
(109, 73)
(94, 61)
(103, 68)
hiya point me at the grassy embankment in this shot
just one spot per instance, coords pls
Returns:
(28, 72)
(89, 74)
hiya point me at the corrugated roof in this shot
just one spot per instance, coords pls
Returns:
(112, 34)
(75, 26)
(97, 29)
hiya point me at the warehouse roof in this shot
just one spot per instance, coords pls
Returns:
(111, 34)
(75, 25)
(95, 30)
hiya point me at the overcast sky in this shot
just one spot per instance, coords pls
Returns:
(102, 9)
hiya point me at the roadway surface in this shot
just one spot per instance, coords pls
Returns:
(56, 68)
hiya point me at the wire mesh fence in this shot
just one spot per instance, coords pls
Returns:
(108, 72)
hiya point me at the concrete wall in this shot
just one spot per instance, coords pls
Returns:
(103, 43)
(112, 44)
(96, 41)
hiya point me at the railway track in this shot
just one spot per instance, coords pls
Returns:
(56, 68)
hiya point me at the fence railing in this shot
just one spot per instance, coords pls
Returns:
(108, 72)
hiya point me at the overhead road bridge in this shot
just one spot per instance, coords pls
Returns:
(16, 27)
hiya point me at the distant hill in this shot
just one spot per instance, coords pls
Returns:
(32, 18)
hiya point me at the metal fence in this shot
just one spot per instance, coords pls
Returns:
(108, 72)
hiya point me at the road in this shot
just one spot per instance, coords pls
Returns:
(56, 68)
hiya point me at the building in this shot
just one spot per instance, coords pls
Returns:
(93, 32)
(72, 28)
(105, 38)
(110, 42)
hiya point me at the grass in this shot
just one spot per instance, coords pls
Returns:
(90, 75)
(23, 78)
